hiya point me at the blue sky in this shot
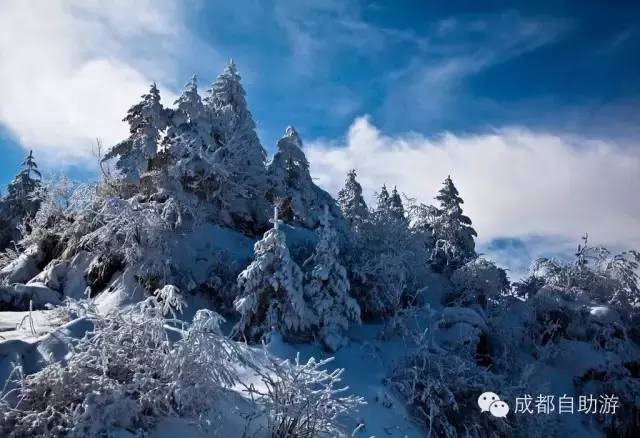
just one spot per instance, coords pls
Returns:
(559, 79)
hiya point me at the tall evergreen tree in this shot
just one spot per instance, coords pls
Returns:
(234, 129)
(189, 106)
(396, 207)
(289, 164)
(22, 189)
(384, 200)
(22, 201)
(351, 202)
(146, 120)
(271, 291)
(189, 129)
(455, 244)
(291, 182)
(327, 288)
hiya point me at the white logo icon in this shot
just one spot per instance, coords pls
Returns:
(499, 409)
(490, 401)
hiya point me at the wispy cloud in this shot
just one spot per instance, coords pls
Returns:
(319, 31)
(515, 182)
(456, 48)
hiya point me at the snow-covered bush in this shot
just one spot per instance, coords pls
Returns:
(132, 235)
(125, 374)
(621, 380)
(303, 399)
(441, 391)
(478, 282)
(441, 388)
(601, 276)
(271, 291)
(464, 330)
(327, 289)
(380, 283)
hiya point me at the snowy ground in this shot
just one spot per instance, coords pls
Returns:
(17, 325)
(366, 361)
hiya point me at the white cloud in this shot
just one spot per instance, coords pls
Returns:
(69, 70)
(515, 182)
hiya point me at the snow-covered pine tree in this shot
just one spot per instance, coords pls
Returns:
(234, 146)
(234, 129)
(189, 107)
(289, 164)
(190, 145)
(189, 127)
(25, 183)
(395, 205)
(327, 288)
(146, 120)
(455, 244)
(291, 182)
(22, 201)
(384, 201)
(23, 193)
(271, 291)
(351, 202)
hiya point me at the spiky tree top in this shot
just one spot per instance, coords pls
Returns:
(227, 89)
(146, 119)
(146, 113)
(24, 183)
(24, 194)
(189, 104)
(455, 244)
(30, 166)
(395, 204)
(450, 202)
(189, 132)
(289, 164)
(350, 200)
(384, 199)
(234, 128)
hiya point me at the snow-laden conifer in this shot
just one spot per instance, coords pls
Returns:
(24, 198)
(290, 182)
(271, 291)
(383, 200)
(146, 119)
(327, 289)
(234, 128)
(289, 164)
(189, 128)
(395, 205)
(454, 235)
(353, 206)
